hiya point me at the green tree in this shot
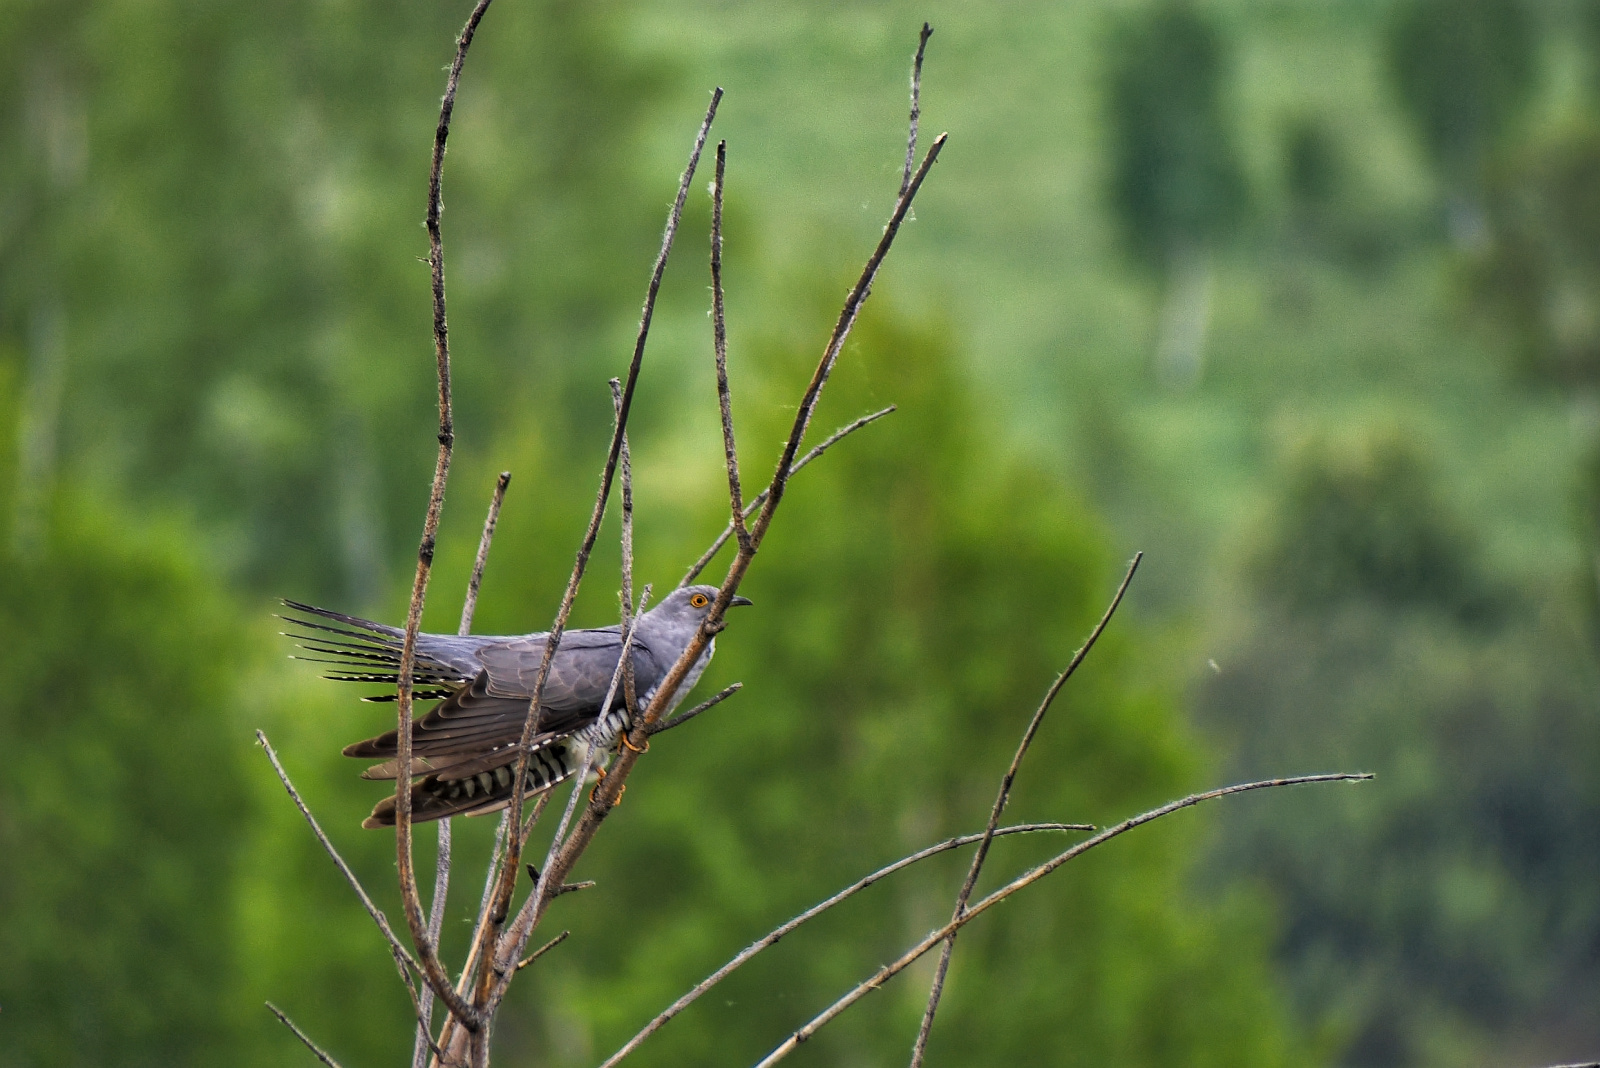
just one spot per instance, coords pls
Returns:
(1435, 915)
(1176, 185)
(120, 792)
(1464, 69)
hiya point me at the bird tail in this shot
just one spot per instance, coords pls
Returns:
(473, 790)
(364, 651)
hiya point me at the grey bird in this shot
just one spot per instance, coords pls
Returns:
(465, 748)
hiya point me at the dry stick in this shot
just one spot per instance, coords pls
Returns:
(301, 1035)
(841, 331)
(470, 607)
(761, 498)
(606, 794)
(542, 950)
(1033, 875)
(542, 890)
(427, 951)
(816, 910)
(402, 957)
(936, 990)
(916, 105)
(508, 874)
(719, 340)
(441, 879)
(625, 466)
(684, 717)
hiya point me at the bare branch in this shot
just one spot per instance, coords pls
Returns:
(542, 950)
(441, 891)
(395, 945)
(841, 331)
(684, 717)
(719, 337)
(1028, 878)
(773, 938)
(761, 498)
(625, 469)
(470, 607)
(936, 990)
(427, 951)
(441, 878)
(301, 1035)
(916, 106)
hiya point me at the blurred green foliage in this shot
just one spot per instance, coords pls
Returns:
(1176, 182)
(1371, 530)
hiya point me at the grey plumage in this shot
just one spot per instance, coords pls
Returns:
(465, 748)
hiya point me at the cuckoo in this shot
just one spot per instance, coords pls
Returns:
(465, 748)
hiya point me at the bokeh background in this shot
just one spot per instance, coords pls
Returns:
(1302, 299)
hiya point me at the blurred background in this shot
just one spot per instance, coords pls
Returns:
(1302, 299)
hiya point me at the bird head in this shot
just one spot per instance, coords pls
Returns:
(691, 604)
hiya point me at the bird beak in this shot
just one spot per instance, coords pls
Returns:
(737, 600)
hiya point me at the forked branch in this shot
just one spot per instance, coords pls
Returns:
(814, 911)
(936, 990)
(1028, 878)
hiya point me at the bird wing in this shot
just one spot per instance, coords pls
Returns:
(489, 714)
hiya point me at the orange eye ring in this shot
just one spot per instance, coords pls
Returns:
(699, 600)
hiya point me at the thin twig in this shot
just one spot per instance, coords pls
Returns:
(1031, 876)
(684, 717)
(427, 951)
(395, 945)
(542, 950)
(441, 891)
(816, 910)
(719, 338)
(936, 990)
(841, 331)
(302, 1036)
(761, 498)
(625, 471)
(916, 105)
(470, 607)
(441, 879)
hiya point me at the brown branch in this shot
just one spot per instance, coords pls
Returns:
(402, 957)
(916, 105)
(605, 795)
(684, 717)
(441, 878)
(761, 498)
(433, 970)
(302, 1036)
(936, 990)
(542, 950)
(778, 933)
(470, 606)
(1033, 875)
(719, 337)
(841, 331)
(625, 471)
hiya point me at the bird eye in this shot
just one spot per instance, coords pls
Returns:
(699, 600)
